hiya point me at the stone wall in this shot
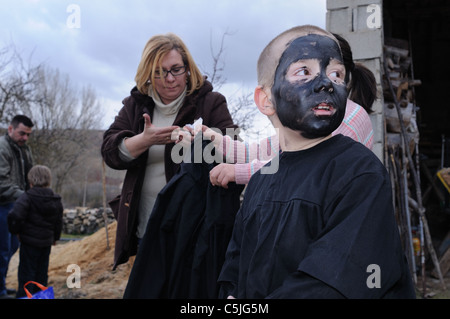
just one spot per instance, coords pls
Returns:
(360, 23)
(83, 220)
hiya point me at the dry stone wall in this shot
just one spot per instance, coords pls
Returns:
(83, 220)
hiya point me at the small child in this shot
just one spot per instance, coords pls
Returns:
(37, 220)
(323, 225)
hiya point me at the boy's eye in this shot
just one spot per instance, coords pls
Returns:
(302, 71)
(336, 76)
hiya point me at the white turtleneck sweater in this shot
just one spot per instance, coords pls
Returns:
(155, 177)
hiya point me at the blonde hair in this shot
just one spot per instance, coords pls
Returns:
(154, 51)
(40, 175)
(270, 57)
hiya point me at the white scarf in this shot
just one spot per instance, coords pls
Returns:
(167, 109)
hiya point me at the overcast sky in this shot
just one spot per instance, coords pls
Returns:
(103, 47)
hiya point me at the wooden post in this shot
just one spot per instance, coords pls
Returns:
(105, 216)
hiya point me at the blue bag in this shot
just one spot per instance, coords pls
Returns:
(45, 293)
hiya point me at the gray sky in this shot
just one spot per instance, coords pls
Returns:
(105, 48)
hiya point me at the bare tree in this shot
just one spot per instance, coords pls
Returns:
(216, 75)
(63, 117)
(243, 111)
(241, 105)
(62, 113)
(18, 80)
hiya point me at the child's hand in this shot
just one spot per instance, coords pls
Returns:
(183, 135)
(186, 134)
(222, 174)
(212, 135)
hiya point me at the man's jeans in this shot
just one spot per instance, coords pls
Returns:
(8, 245)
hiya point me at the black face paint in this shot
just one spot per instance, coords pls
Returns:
(295, 102)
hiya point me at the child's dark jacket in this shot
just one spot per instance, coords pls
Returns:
(37, 217)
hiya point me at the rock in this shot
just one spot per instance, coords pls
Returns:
(83, 220)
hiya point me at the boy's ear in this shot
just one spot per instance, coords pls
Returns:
(263, 101)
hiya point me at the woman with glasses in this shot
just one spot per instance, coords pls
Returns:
(170, 93)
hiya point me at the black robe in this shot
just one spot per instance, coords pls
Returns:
(323, 226)
(183, 249)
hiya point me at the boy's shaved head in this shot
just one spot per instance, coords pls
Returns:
(270, 57)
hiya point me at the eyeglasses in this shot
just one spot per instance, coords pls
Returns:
(176, 71)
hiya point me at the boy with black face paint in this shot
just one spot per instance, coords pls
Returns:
(323, 225)
(309, 86)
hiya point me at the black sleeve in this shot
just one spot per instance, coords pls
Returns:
(18, 215)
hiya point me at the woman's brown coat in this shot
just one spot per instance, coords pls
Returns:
(210, 106)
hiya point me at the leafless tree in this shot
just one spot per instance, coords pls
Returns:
(241, 105)
(18, 80)
(216, 76)
(63, 117)
(63, 114)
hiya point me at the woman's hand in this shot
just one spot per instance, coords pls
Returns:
(151, 135)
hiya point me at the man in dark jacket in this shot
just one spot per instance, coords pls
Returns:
(15, 162)
(37, 219)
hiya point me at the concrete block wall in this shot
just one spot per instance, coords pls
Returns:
(360, 23)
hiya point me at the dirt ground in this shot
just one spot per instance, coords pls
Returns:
(95, 260)
(433, 288)
(98, 281)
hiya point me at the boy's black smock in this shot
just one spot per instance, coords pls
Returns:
(183, 249)
(314, 228)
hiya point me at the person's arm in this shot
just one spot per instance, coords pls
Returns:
(239, 153)
(243, 172)
(19, 213)
(59, 222)
(9, 190)
(225, 173)
(244, 152)
(356, 125)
